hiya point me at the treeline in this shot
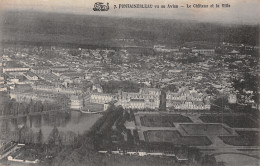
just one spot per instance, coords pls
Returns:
(90, 141)
(128, 141)
(109, 120)
(248, 82)
(120, 123)
(101, 129)
(28, 135)
(190, 59)
(46, 147)
(114, 86)
(81, 157)
(171, 87)
(87, 30)
(11, 107)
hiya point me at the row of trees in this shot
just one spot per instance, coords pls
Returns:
(30, 136)
(11, 107)
(248, 82)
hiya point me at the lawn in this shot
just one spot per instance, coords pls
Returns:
(245, 138)
(162, 120)
(174, 137)
(205, 129)
(236, 121)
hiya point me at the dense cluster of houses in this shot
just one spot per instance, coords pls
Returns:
(50, 83)
(65, 75)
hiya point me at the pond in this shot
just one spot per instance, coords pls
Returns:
(26, 129)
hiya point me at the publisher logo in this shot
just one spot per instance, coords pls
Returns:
(99, 6)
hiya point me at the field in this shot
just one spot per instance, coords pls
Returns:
(174, 137)
(162, 120)
(245, 138)
(205, 129)
(239, 121)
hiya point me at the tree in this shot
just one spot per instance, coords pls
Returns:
(4, 129)
(208, 161)
(162, 106)
(30, 107)
(248, 82)
(23, 134)
(39, 139)
(116, 59)
(171, 88)
(29, 137)
(38, 106)
(54, 136)
(133, 59)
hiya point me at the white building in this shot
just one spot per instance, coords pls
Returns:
(15, 69)
(187, 99)
(101, 98)
(145, 98)
(162, 48)
(232, 99)
(41, 70)
(204, 51)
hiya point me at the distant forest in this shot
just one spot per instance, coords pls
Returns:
(37, 28)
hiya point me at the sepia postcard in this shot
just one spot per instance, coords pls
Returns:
(129, 83)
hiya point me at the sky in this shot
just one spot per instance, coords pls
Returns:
(240, 11)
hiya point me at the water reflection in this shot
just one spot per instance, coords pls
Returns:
(72, 123)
